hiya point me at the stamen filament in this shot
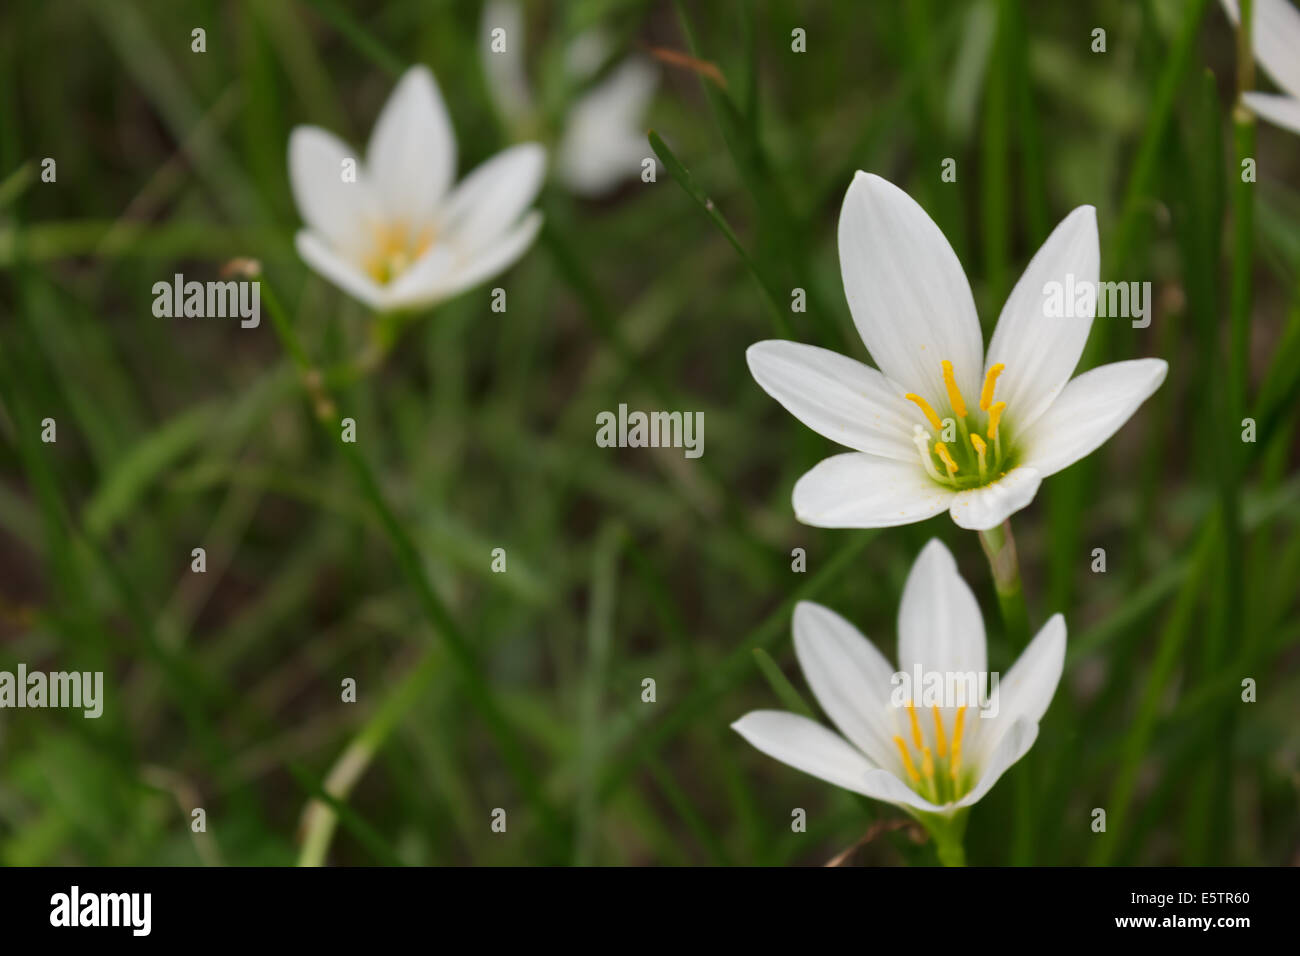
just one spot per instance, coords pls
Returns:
(954, 393)
(940, 741)
(990, 381)
(935, 422)
(978, 444)
(995, 416)
(921, 438)
(958, 726)
(907, 761)
(941, 450)
(916, 728)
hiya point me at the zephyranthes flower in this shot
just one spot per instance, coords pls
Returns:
(1275, 39)
(935, 759)
(941, 425)
(603, 140)
(391, 231)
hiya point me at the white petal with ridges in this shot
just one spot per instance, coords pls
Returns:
(340, 212)
(940, 627)
(849, 678)
(411, 156)
(1013, 745)
(1283, 111)
(491, 199)
(1275, 39)
(837, 397)
(863, 491)
(318, 254)
(1040, 350)
(1027, 689)
(1091, 408)
(979, 509)
(909, 297)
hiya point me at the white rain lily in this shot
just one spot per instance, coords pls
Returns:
(1275, 38)
(392, 231)
(929, 760)
(603, 141)
(942, 425)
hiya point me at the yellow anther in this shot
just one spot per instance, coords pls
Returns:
(995, 416)
(978, 444)
(907, 761)
(916, 728)
(957, 728)
(990, 380)
(941, 450)
(935, 422)
(940, 741)
(927, 763)
(954, 393)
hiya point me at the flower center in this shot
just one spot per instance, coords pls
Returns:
(394, 249)
(963, 458)
(940, 778)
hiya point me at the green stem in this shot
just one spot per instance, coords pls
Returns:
(1000, 549)
(948, 833)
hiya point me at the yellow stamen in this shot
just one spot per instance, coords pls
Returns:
(907, 761)
(940, 742)
(954, 393)
(957, 728)
(935, 422)
(916, 728)
(978, 444)
(927, 763)
(995, 416)
(990, 380)
(941, 450)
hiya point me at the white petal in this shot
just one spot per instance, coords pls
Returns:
(316, 252)
(1015, 743)
(908, 294)
(849, 677)
(808, 746)
(1027, 689)
(837, 397)
(863, 491)
(411, 157)
(1275, 38)
(1283, 111)
(337, 210)
(1091, 409)
(979, 509)
(494, 258)
(940, 627)
(604, 137)
(1039, 350)
(491, 199)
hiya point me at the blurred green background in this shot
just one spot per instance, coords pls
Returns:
(522, 690)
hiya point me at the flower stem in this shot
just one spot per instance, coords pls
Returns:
(1000, 548)
(948, 833)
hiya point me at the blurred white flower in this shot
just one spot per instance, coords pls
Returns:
(603, 140)
(932, 760)
(391, 231)
(1014, 418)
(1275, 38)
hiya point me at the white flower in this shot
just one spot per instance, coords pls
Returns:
(1276, 41)
(400, 236)
(1015, 420)
(603, 141)
(937, 759)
